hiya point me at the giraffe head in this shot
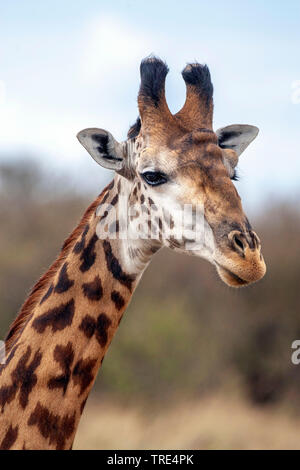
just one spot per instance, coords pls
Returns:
(181, 172)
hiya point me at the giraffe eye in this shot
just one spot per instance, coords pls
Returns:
(154, 178)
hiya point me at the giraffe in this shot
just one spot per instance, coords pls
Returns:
(57, 343)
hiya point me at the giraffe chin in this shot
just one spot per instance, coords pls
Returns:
(231, 279)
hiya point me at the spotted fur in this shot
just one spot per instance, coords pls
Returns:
(64, 283)
(9, 438)
(83, 373)
(88, 256)
(55, 428)
(64, 356)
(93, 290)
(118, 299)
(56, 318)
(115, 268)
(23, 379)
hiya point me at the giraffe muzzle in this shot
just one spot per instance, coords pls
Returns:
(241, 241)
(242, 262)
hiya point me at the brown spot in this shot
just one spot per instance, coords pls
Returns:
(105, 198)
(23, 379)
(7, 394)
(114, 267)
(64, 355)
(159, 223)
(93, 290)
(57, 318)
(64, 283)
(56, 428)
(114, 200)
(118, 300)
(83, 373)
(105, 214)
(9, 438)
(88, 255)
(103, 323)
(142, 199)
(88, 326)
(108, 208)
(80, 245)
(25, 376)
(47, 295)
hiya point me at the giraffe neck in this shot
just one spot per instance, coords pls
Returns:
(56, 349)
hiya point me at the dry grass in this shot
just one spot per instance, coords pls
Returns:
(215, 423)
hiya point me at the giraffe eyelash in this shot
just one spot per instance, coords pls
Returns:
(235, 176)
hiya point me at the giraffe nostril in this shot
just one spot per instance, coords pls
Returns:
(238, 241)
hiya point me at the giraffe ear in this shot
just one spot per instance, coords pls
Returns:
(236, 137)
(102, 146)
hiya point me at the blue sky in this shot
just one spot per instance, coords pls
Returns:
(67, 65)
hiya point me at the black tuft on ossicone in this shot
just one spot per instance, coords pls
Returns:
(153, 73)
(198, 75)
(134, 129)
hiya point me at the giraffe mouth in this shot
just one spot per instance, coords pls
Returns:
(229, 277)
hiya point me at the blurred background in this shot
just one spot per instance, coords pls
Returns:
(195, 364)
